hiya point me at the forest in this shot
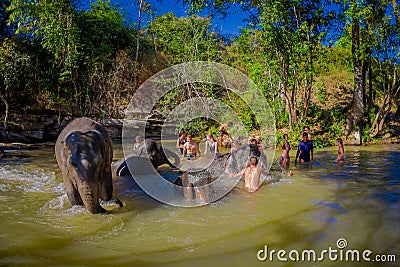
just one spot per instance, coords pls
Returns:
(327, 64)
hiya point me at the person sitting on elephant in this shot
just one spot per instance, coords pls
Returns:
(191, 149)
(222, 131)
(252, 174)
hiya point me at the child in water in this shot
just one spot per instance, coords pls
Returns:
(285, 159)
(340, 157)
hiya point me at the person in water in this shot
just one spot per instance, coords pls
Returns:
(222, 131)
(339, 143)
(211, 145)
(255, 149)
(285, 158)
(305, 150)
(138, 142)
(191, 149)
(252, 174)
(306, 129)
(181, 141)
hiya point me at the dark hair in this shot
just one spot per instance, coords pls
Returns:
(182, 131)
(340, 141)
(253, 140)
(212, 137)
(306, 127)
(255, 158)
(305, 134)
(285, 136)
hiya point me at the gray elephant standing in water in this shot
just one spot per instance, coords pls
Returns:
(84, 152)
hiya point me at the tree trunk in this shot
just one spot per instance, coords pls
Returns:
(289, 100)
(6, 115)
(138, 30)
(370, 89)
(356, 112)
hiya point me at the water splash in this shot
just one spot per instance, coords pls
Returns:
(29, 181)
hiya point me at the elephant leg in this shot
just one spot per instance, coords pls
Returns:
(89, 195)
(188, 192)
(202, 192)
(106, 186)
(72, 193)
(187, 187)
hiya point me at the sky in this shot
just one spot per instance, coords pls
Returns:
(228, 26)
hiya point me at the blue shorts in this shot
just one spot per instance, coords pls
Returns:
(189, 157)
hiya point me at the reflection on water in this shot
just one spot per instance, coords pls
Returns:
(358, 200)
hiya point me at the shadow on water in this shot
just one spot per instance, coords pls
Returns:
(368, 187)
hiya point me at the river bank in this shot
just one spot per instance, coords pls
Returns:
(25, 131)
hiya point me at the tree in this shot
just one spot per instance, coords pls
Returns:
(388, 49)
(54, 24)
(371, 34)
(291, 40)
(184, 39)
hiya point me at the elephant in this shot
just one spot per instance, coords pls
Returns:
(194, 178)
(156, 154)
(193, 175)
(84, 152)
(193, 182)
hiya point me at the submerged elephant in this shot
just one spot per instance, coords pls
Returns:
(156, 154)
(194, 178)
(84, 152)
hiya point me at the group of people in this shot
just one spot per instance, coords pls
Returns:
(305, 149)
(189, 149)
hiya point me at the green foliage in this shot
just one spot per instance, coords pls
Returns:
(83, 61)
(102, 32)
(200, 127)
(184, 39)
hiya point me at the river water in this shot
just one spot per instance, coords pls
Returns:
(358, 201)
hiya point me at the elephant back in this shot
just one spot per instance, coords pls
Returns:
(83, 125)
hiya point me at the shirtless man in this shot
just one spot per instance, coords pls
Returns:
(190, 149)
(221, 132)
(252, 175)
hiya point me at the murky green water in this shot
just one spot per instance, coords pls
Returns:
(358, 201)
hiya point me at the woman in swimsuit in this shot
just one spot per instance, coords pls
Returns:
(339, 143)
(285, 158)
(211, 145)
(181, 141)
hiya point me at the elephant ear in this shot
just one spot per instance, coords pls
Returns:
(71, 148)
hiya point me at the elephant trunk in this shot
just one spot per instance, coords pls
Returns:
(90, 197)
